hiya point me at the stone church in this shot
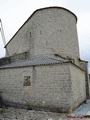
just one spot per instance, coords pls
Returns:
(42, 68)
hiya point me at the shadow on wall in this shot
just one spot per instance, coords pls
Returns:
(1, 99)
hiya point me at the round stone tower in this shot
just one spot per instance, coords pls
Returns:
(48, 31)
(54, 32)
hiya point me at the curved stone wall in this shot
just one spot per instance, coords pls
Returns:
(48, 31)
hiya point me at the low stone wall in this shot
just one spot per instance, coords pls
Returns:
(14, 58)
(4, 61)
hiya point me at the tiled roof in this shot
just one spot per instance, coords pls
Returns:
(36, 61)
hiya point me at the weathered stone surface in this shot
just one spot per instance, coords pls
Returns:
(84, 66)
(48, 31)
(54, 87)
(4, 61)
(57, 87)
(14, 58)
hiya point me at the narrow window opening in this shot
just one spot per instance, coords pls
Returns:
(30, 34)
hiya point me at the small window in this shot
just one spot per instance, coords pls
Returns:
(26, 81)
(30, 34)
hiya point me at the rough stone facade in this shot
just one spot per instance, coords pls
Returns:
(55, 81)
(47, 32)
(56, 87)
(84, 66)
(14, 58)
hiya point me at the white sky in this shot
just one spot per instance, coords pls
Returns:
(15, 12)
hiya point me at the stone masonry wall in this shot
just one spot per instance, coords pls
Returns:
(56, 33)
(42, 87)
(84, 66)
(4, 61)
(11, 84)
(51, 87)
(48, 31)
(78, 86)
(14, 58)
(46, 82)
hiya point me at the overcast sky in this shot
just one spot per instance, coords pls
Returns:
(14, 13)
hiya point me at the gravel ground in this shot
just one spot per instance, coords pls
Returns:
(22, 114)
